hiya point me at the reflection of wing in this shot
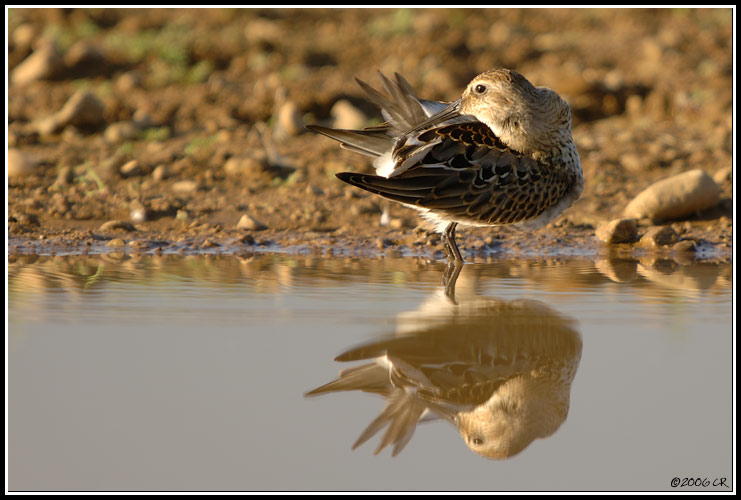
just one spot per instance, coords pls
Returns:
(402, 412)
(373, 377)
(464, 356)
(500, 371)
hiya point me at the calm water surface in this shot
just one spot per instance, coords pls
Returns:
(192, 373)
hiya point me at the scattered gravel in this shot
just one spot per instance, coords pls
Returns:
(207, 126)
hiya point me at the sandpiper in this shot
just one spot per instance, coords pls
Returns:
(502, 154)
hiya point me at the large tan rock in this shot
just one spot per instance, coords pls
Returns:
(82, 109)
(43, 63)
(675, 197)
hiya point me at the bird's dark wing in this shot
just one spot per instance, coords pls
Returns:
(466, 172)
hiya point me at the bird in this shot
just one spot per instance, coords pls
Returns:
(501, 154)
(500, 371)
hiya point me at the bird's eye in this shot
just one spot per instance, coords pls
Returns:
(480, 89)
(478, 441)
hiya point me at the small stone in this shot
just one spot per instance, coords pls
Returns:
(182, 215)
(632, 162)
(117, 224)
(184, 187)
(685, 246)
(347, 116)
(659, 236)
(247, 239)
(116, 242)
(19, 164)
(262, 29)
(43, 63)
(250, 223)
(618, 231)
(138, 212)
(396, 223)
(723, 175)
(313, 190)
(243, 166)
(289, 120)
(128, 81)
(143, 119)
(120, 132)
(24, 35)
(160, 172)
(209, 244)
(130, 169)
(675, 197)
(83, 53)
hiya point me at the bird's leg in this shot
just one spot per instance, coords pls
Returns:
(455, 261)
(451, 249)
(450, 276)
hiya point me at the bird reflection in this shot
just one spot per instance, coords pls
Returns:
(500, 371)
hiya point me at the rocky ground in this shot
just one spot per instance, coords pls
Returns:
(183, 129)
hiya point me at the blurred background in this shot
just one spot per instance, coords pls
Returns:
(192, 120)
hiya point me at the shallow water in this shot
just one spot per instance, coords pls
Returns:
(191, 373)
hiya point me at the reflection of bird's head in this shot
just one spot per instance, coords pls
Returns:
(521, 410)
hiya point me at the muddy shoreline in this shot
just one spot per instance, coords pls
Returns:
(187, 133)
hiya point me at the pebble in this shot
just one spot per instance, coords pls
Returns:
(120, 132)
(83, 53)
(685, 246)
(116, 242)
(117, 224)
(247, 239)
(632, 162)
(186, 186)
(143, 119)
(130, 169)
(659, 236)
(675, 197)
(397, 224)
(160, 172)
(19, 164)
(82, 109)
(723, 175)
(261, 29)
(289, 121)
(138, 212)
(250, 223)
(313, 190)
(43, 63)
(347, 116)
(24, 35)
(128, 82)
(618, 231)
(243, 166)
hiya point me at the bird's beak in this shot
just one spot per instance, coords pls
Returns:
(452, 110)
